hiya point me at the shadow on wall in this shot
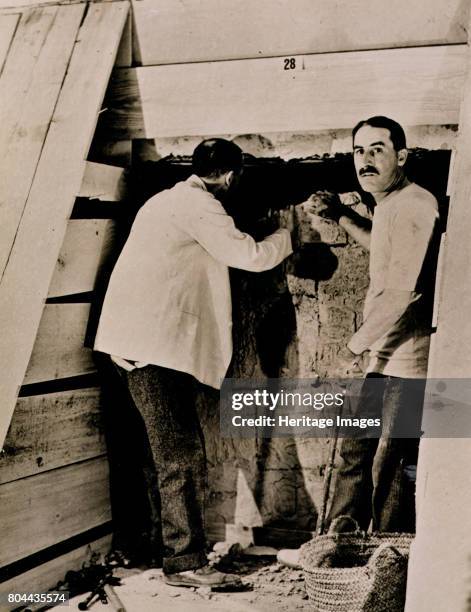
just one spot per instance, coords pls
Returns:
(288, 322)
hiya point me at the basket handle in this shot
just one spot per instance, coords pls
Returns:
(378, 553)
(342, 518)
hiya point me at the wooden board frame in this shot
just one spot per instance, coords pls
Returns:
(69, 501)
(420, 86)
(169, 32)
(88, 243)
(59, 350)
(51, 431)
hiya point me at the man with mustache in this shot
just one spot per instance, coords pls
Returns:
(376, 480)
(403, 245)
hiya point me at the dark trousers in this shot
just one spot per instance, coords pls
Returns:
(377, 477)
(176, 463)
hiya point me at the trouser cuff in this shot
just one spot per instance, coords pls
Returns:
(192, 561)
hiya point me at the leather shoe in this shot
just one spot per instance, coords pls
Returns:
(205, 576)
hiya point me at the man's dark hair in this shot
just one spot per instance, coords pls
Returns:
(398, 138)
(215, 156)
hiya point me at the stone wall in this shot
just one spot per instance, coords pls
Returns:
(291, 322)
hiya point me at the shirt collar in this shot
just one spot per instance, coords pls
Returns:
(392, 194)
(195, 181)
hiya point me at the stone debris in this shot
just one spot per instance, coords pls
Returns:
(267, 587)
(205, 592)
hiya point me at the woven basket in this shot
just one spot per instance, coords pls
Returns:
(356, 572)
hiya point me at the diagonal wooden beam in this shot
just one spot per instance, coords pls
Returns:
(8, 25)
(29, 87)
(26, 278)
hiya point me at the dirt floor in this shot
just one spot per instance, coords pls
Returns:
(268, 587)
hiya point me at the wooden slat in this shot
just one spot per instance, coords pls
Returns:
(27, 276)
(39, 511)
(332, 91)
(25, 50)
(102, 149)
(87, 244)
(29, 87)
(47, 575)
(450, 350)
(59, 349)
(103, 182)
(438, 279)
(203, 30)
(8, 25)
(51, 431)
(9, 6)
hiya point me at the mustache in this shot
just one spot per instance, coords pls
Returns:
(369, 169)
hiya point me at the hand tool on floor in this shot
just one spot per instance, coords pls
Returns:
(104, 591)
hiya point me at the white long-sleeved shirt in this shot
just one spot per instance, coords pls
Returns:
(396, 326)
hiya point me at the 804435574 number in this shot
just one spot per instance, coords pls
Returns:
(52, 597)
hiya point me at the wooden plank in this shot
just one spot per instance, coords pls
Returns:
(443, 465)
(40, 234)
(332, 91)
(51, 431)
(87, 245)
(59, 349)
(438, 279)
(170, 32)
(102, 149)
(103, 182)
(47, 575)
(15, 5)
(450, 352)
(25, 49)
(29, 87)
(41, 510)
(8, 25)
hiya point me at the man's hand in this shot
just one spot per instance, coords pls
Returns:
(351, 362)
(289, 220)
(324, 204)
